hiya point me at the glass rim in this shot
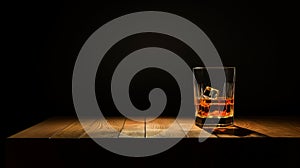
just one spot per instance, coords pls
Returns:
(215, 67)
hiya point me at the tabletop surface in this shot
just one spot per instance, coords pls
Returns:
(163, 127)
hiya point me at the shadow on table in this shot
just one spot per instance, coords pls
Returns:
(234, 131)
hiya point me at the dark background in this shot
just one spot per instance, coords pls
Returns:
(42, 41)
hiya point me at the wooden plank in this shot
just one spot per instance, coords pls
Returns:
(46, 128)
(109, 128)
(186, 123)
(193, 131)
(275, 126)
(74, 130)
(133, 129)
(117, 122)
(236, 132)
(164, 128)
(227, 132)
(197, 132)
(252, 124)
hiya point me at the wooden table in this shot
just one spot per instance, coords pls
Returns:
(62, 142)
(245, 127)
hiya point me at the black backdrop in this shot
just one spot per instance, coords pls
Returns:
(43, 40)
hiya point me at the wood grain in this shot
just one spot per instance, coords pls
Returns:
(104, 129)
(193, 131)
(164, 127)
(272, 126)
(46, 128)
(133, 129)
(74, 130)
(197, 132)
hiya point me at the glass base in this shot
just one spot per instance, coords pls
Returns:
(213, 122)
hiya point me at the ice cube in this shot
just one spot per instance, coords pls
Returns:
(211, 93)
